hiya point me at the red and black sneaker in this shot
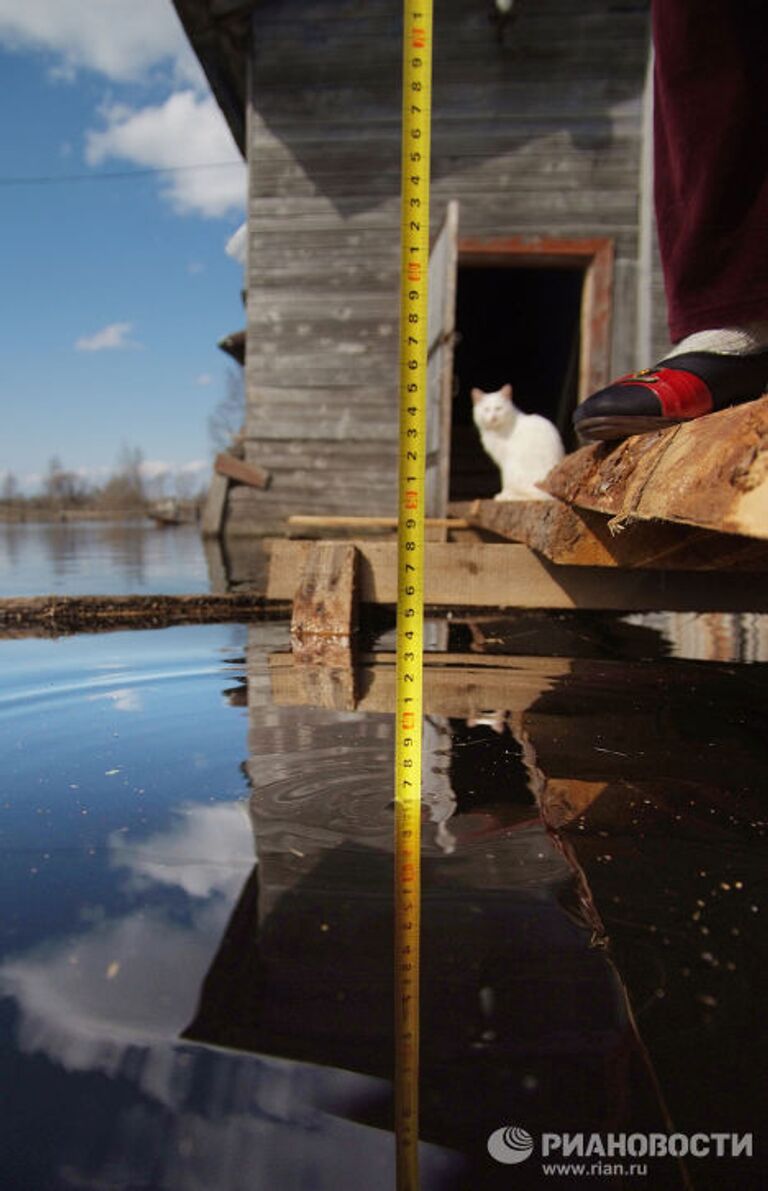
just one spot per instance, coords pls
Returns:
(676, 390)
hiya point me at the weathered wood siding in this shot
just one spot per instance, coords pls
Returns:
(540, 135)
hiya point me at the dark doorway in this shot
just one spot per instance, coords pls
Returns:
(519, 325)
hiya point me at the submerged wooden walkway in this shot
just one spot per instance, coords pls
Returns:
(58, 615)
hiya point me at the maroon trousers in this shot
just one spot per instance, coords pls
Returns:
(711, 160)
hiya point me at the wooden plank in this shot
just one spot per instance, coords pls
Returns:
(534, 208)
(711, 472)
(216, 562)
(563, 799)
(325, 521)
(460, 686)
(441, 659)
(241, 473)
(54, 615)
(325, 603)
(214, 509)
(488, 575)
(330, 684)
(579, 537)
(346, 424)
(285, 179)
(321, 459)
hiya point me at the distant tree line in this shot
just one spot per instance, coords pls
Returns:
(128, 489)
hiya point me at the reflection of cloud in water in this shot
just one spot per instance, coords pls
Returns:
(209, 849)
(135, 979)
(127, 982)
(124, 699)
(114, 999)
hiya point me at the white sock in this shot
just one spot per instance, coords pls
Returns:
(726, 341)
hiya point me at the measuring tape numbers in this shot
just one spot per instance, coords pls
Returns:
(416, 134)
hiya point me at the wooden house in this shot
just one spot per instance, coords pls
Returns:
(546, 269)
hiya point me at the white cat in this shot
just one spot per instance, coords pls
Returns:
(523, 446)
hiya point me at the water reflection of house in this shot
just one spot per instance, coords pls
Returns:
(539, 134)
(650, 778)
(522, 1018)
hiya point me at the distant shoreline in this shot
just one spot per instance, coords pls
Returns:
(18, 516)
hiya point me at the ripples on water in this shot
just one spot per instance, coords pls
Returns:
(195, 950)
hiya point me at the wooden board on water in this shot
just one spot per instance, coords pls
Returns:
(455, 685)
(54, 615)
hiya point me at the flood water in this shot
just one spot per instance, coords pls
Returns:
(196, 939)
(99, 558)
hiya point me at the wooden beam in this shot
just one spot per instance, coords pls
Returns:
(241, 473)
(325, 604)
(579, 537)
(562, 799)
(332, 521)
(215, 507)
(455, 685)
(490, 575)
(711, 473)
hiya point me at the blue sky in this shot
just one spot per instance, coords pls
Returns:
(113, 290)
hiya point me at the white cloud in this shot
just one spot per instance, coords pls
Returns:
(184, 131)
(153, 469)
(114, 336)
(156, 469)
(126, 40)
(138, 41)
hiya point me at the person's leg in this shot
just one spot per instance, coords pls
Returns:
(711, 193)
(711, 160)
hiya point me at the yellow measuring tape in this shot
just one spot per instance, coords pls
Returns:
(414, 322)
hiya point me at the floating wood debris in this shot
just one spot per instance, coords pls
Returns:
(711, 473)
(56, 615)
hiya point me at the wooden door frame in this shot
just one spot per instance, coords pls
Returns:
(595, 256)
